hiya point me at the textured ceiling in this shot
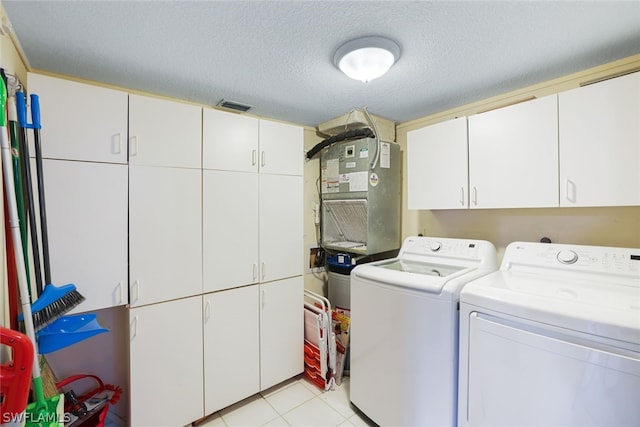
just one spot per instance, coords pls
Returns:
(277, 55)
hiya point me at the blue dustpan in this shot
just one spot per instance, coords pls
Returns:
(68, 330)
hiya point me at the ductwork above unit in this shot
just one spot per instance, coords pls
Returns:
(357, 119)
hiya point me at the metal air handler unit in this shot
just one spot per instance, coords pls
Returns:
(360, 187)
(360, 193)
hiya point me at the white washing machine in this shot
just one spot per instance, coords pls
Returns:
(404, 330)
(552, 339)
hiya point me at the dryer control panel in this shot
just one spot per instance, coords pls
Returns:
(594, 259)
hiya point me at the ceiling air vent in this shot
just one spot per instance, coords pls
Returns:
(235, 106)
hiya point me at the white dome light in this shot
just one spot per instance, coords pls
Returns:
(366, 58)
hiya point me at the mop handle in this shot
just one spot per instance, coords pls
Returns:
(36, 126)
(21, 106)
(35, 112)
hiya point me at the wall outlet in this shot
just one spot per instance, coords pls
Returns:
(317, 259)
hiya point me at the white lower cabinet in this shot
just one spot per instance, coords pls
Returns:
(281, 330)
(231, 347)
(194, 356)
(166, 374)
(253, 339)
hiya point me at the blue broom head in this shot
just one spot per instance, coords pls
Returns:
(53, 303)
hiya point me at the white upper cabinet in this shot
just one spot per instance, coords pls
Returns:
(437, 166)
(246, 144)
(230, 141)
(513, 156)
(164, 133)
(165, 233)
(281, 148)
(600, 143)
(80, 121)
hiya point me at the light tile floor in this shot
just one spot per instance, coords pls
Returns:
(294, 403)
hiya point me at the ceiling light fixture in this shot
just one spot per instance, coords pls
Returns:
(366, 58)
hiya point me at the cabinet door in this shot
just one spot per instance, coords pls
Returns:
(437, 166)
(87, 227)
(165, 233)
(164, 133)
(231, 347)
(81, 121)
(600, 143)
(166, 363)
(513, 156)
(281, 331)
(230, 229)
(280, 226)
(281, 148)
(229, 141)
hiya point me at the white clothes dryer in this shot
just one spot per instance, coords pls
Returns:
(552, 339)
(404, 330)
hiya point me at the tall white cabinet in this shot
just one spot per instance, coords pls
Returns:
(84, 147)
(165, 261)
(252, 242)
(600, 143)
(165, 192)
(201, 238)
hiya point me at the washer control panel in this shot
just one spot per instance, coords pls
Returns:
(449, 248)
(577, 257)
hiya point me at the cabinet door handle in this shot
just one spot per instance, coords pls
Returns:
(570, 191)
(134, 328)
(475, 196)
(207, 311)
(264, 271)
(254, 157)
(133, 146)
(263, 298)
(135, 290)
(263, 162)
(255, 272)
(462, 196)
(116, 143)
(121, 293)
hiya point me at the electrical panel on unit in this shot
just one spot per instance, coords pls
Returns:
(360, 192)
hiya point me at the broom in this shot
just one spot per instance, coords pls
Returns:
(42, 410)
(52, 301)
